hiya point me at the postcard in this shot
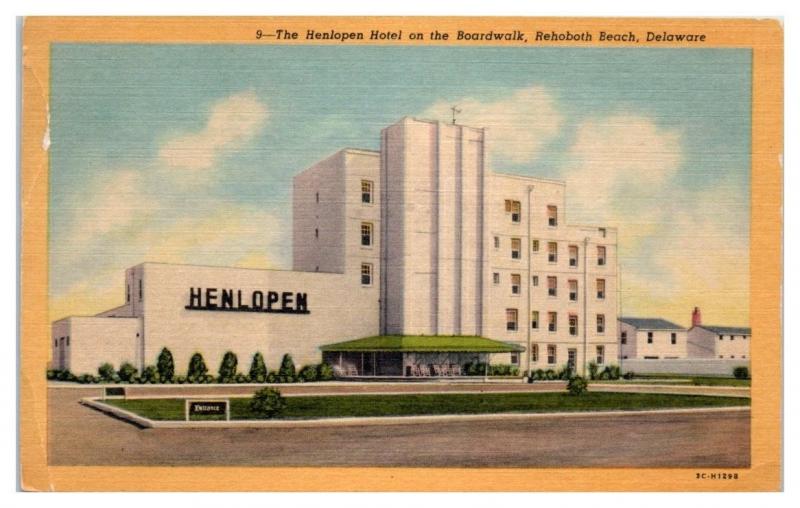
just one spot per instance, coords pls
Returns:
(414, 254)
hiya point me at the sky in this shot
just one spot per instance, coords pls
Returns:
(185, 153)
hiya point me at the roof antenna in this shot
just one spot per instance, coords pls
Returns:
(455, 111)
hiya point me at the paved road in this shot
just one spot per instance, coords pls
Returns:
(81, 436)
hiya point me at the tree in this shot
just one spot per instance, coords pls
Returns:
(287, 370)
(151, 375)
(308, 373)
(324, 372)
(258, 369)
(267, 402)
(165, 365)
(127, 372)
(197, 368)
(577, 385)
(227, 369)
(106, 372)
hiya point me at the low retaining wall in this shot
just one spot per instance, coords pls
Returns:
(694, 366)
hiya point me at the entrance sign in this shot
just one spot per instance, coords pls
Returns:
(206, 407)
(236, 300)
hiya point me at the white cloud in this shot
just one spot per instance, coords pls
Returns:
(232, 122)
(518, 126)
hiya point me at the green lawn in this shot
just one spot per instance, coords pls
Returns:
(298, 408)
(681, 380)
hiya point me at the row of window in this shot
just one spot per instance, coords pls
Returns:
(744, 337)
(56, 341)
(552, 355)
(514, 209)
(128, 292)
(367, 187)
(512, 321)
(552, 251)
(673, 338)
(552, 285)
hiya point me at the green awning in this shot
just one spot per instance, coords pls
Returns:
(423, 343)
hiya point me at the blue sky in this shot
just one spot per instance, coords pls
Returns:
(653, 141)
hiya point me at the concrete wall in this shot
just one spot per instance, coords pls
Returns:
(686, 366)
(340, 309)
(90, 341)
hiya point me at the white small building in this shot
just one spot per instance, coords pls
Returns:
(651, 339)
(721, 342)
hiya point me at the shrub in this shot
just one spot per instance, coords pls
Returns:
(272, 377)
(150, 375)
(52, 373)
(614, 372)
(564, 372)
(165, 365)
(180, 379)
(628, 375)
(267, 402)
(308, 373)
(258, 369)
(241, 378)
(197, 369)
(227, 369)
(106, 372)
(324, 372)
(741, 373)
(577, 385)
(84, 378)
(593, 370)
(287, 370)
(550, 375)
(127, 372)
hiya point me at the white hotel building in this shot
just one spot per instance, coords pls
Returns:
(411, 260)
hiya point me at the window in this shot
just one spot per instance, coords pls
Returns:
(515, 283)
(601, 323)
(535, 280)
(573, 324)
(316, 232)
(366, 191)
(535, 353)
(127, 293)
(514, 208)
(744, 337)
(601, 255)
(366, 274)
(601, 355)
(552, 252)
(649, 337)
(511, 320)
(366, 234)
(317, 197)
(552, 286)
(535, 245)
(551, 354)
(514, 358)
(720, 337)
(623, 339)
(496, 278)
(516, 246)
(573, 290)
(673, 338)
(552, 215)
(141, 292)
(67, 340)
(573, 256)
(601, 289)
(535, 319)
(496, 242)
(55, 342)
(552, 319)
(731, 337)
(602, 232)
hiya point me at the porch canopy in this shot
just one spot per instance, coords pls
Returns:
(411, 355)
(423, 344)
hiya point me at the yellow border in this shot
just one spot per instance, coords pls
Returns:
(765, 37)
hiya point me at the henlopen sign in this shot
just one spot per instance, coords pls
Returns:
(236, 300)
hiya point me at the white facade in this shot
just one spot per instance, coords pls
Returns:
(720, 342)
(651, 339)
(420, 238)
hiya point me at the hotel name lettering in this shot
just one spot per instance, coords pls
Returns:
(237, 300)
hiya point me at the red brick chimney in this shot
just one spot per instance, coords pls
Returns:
(697, 319)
